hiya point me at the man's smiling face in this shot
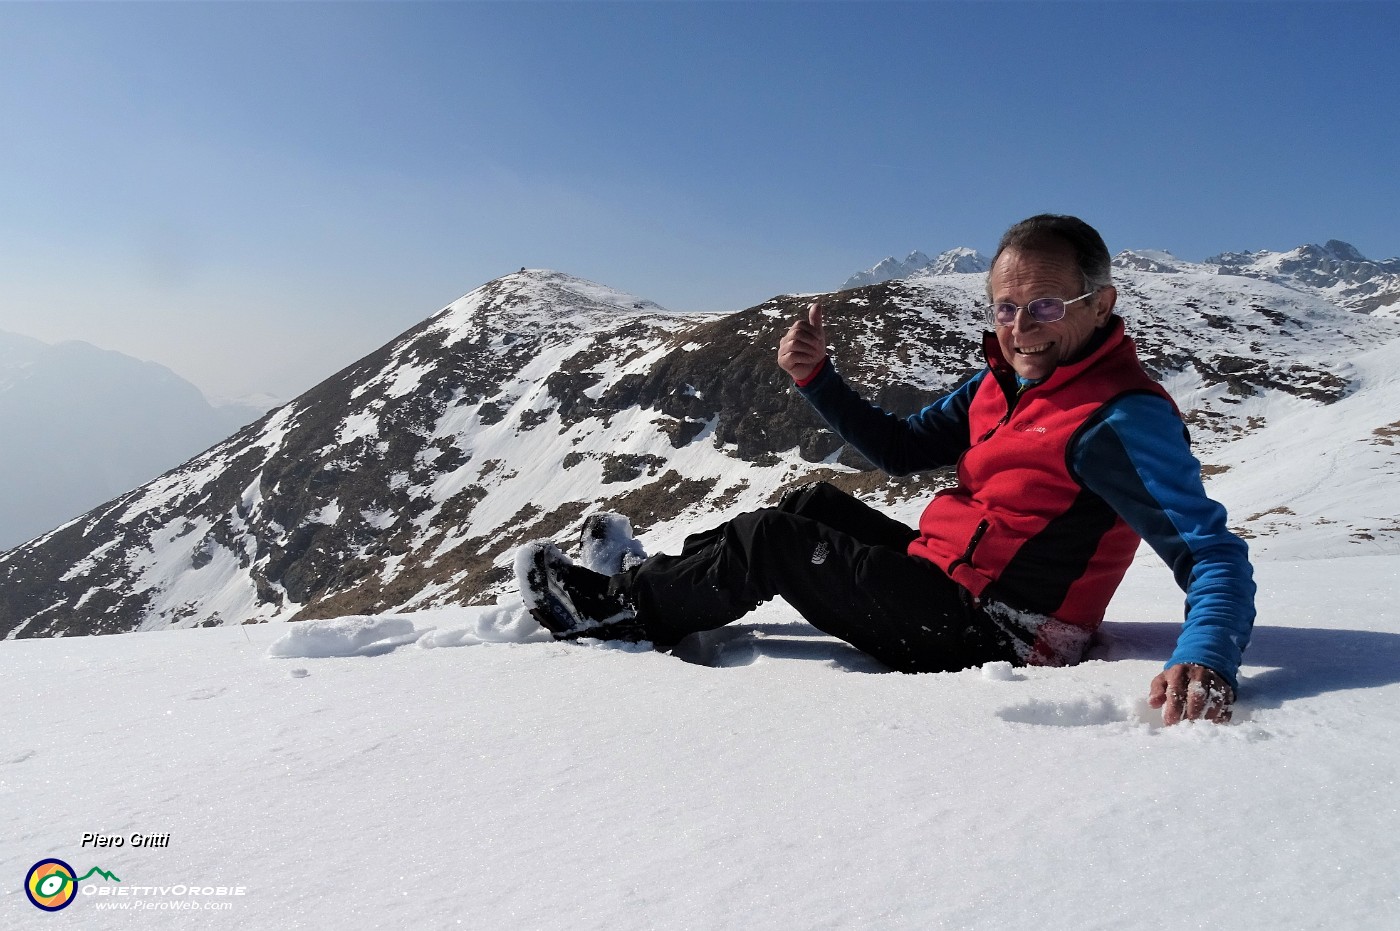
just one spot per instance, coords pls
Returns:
(1035, 349)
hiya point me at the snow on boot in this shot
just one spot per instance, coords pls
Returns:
(607, 545)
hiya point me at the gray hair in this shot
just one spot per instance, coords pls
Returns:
(1053, 230)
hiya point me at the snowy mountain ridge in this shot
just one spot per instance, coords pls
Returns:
(1335, 271)
(961, 260)
(406, 481)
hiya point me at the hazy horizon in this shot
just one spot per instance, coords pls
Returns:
(255, 195)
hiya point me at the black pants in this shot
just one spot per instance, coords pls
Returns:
(839, 562)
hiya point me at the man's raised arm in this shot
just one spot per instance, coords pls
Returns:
(934, 437)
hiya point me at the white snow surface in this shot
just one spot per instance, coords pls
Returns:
(786, 783)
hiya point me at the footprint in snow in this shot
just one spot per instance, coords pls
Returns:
(1078, 712)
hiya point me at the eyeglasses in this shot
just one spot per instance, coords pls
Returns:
(1042, 310)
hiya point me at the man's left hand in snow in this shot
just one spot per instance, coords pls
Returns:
(1187, 692)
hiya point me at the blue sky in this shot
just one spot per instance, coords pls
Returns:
(257, 194)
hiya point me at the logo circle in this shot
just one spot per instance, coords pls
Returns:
(50, 885)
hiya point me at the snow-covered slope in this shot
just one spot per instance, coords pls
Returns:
(776, 781)
(1334, 270)
(407, 480)
(81, 425)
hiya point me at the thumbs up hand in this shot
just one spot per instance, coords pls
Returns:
(803, 347)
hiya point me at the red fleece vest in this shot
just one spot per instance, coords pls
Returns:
(1017, 504)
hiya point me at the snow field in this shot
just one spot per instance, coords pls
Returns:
(543, 785)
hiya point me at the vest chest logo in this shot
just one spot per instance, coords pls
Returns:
(1026, 426)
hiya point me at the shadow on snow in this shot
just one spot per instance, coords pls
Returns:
(1282, 663)
(744, 644)
(1300, 662)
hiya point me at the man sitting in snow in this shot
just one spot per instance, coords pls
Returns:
(1067, 454)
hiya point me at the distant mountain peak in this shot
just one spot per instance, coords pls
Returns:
(1343, 250)
(546, 287)
(1148, 260)
(82, 424)
(958, 261)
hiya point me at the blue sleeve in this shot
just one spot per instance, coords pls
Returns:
(935, 436)
(1135, 456)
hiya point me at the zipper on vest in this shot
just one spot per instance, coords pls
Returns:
(966, 557)
(1012, 399)
(995, 427)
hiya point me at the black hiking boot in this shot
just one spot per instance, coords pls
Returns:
(569, 601)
